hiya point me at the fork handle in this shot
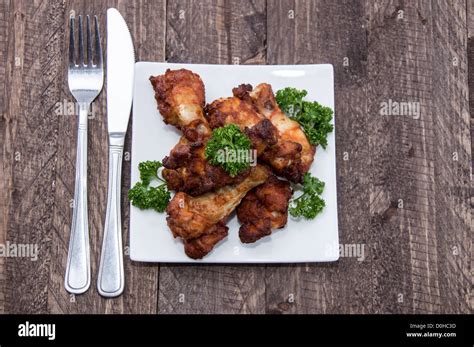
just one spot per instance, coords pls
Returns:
(110, 282)
(78, 275)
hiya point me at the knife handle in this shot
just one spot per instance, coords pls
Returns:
(110, 281)
(78, 276)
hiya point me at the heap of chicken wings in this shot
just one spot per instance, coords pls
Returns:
(206, 195)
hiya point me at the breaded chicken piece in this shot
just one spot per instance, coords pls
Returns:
(264, 208)
(187, 170)
(199, 247)
(191, 217)
(181, 99)
(293, 155)
(232, 110)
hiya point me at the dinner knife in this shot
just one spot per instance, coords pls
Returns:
(120, 68)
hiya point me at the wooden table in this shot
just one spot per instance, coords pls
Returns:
(403, 181)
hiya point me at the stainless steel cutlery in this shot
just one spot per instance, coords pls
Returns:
(120, 70)
(85, 79)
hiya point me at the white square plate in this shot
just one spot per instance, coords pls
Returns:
(301, 240)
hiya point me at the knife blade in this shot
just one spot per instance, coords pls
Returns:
(120, 67)
(120, 71)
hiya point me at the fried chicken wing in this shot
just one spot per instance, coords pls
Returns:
(202, 245)
(264, 208)
(232, 110)
(206, 194)
(191, 217)
(180, 96)
(187, 170)
(293, 155)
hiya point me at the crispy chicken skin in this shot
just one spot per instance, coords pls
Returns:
(232, 110)
(202, 245)
(181, 99)
(191, 217)
(264, 208)
(293, 155)
(205, 194)
(187, 170)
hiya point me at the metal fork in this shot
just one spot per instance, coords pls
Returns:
(85, 79)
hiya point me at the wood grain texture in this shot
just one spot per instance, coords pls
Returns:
(470, 17)
(404, 182)
(299, 33)
(402, 158)
(418, 236)
(219, 32)
(420, 163)
(453, 157)
(43, 178)
(29, 151)
(470, 56)
(4, 179)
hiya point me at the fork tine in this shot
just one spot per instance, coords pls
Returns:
(81, 43)
(72, 62)
(89, 42)
(98, 48)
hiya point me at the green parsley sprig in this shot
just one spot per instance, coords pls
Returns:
(309, 204)
(314, 118)
(144, 196)
(227, 147)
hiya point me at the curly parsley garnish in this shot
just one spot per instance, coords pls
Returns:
(144, 196)
(229, 147)
(314, 118)
(309, 204)
(148, 171)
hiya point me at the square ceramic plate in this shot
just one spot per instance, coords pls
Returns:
(301, 240)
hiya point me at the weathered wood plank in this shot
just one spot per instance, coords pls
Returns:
(470, 17)
(403, 182)
(400, 71)
(216, 31)
(30, 148)
(221, 32)
(470, 56)
(43, 142)
(453, 156)
(417, 200)
(302, 32)
(140, 294)
(4, 181)
(429, 194)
